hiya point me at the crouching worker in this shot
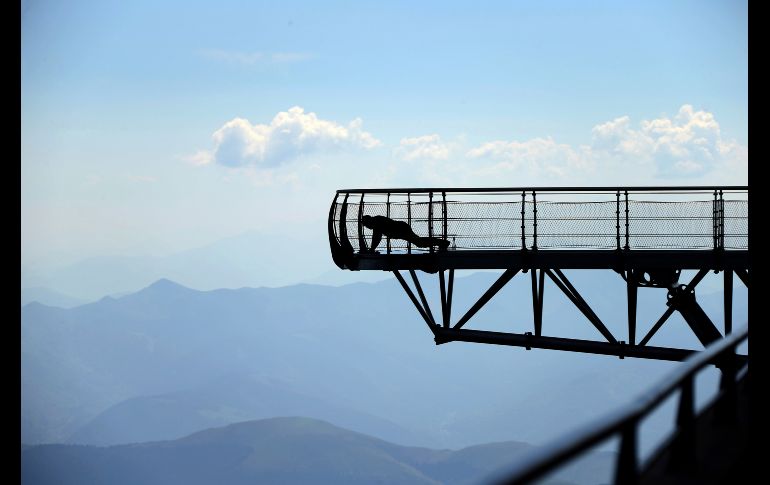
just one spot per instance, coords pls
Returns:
(381, 225)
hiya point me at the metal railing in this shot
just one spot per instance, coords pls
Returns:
(625, 421)
(701, 217)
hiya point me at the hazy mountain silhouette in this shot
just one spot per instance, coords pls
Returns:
(231, 398)
(360, 347)
(231, 262)
(288, 450)
(49, 297)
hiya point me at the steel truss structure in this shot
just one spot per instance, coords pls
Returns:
(647, 235)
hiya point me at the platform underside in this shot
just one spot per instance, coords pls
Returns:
(678, 259)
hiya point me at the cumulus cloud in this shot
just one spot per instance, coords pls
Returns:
(427, 147)
(290, 134)
(690, 144)
(539, 156)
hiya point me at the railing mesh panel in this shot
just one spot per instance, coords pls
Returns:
(548, 224)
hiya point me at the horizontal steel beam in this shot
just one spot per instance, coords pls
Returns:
(444, 335)
(618, 260)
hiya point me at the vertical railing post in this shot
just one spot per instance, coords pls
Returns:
(715, 227)
(728, 300)
(523, 232)
(430, 218)
(617, 218)
(387, 214)
(361, 241)
(727, 406)
(534, 220)
(626, 470)
(444, 207)
(683, 449)
(626, 194)
(721, 219)
(409, 218)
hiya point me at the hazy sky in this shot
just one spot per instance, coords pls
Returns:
(150, 127)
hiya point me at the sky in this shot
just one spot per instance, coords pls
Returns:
(152, 127)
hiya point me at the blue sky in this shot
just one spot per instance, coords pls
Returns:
(153, 127)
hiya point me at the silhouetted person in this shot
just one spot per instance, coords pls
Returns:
(381, 225)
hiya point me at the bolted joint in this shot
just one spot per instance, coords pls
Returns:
(679, 295)
(440, 340)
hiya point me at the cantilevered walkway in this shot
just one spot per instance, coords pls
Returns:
(647, 235)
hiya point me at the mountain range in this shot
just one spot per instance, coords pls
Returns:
(233, 262)
(167, 361)
(287, 450)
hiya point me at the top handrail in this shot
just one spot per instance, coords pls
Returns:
(651, 188)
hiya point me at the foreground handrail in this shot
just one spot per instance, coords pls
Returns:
(625, 421)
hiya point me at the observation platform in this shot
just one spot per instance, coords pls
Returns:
(620, 228)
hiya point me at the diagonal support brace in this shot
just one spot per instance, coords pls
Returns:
(683, 300)
(566, 287)
(743, 275)
(424, 300)
(670, 310)
(416, 303)
(496, 286)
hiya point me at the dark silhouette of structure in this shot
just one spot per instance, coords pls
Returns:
(381, 225)
(647, 235)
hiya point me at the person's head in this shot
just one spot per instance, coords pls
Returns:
(366, 221)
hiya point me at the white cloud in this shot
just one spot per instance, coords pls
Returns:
(685, 145)
(201, 157)
(538, 156)
(250, 58)
(688, 145)
(290, 135)
(427, 147)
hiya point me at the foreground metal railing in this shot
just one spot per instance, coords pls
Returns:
(625, 421)
(696, 217)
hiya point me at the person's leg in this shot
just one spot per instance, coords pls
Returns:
(426, 242)
(376, 238)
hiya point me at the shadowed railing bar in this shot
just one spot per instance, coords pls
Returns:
(534, 220)
(548, 458)
(430, 217)
(627, 231)
(617, 218)
(387, 214)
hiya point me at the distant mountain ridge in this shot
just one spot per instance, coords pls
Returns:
(49, 297)
(360, 348)
(230, 398)
(243, 260)
(286, 450)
